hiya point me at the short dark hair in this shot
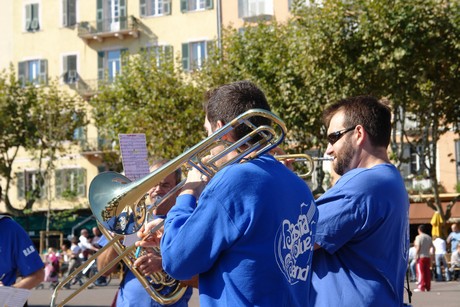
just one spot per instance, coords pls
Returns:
(372, 114)
(423, 228)
(226, 102)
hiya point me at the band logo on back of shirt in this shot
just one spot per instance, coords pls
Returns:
(294, 245)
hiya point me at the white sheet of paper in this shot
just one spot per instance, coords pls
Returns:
(134, 155)
(13, 297)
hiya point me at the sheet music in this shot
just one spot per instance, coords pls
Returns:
(134, 155)
(13, 297)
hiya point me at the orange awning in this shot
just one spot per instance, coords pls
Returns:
(420, 213)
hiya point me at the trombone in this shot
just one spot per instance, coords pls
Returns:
(119, 205)
(306, 160)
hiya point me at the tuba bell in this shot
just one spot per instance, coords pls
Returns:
(119, 205)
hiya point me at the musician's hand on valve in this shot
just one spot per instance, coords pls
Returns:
(196, 181)
(149, 239)
(149, 262)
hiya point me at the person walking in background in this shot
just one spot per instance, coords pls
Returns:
(440, 250)
(87, 248)
(412, 264)
(362, 238)
(96, 237)
(423, 245)
(455, 263)
(74, 260)
(454, 237)
(18, 257)
(52, 268)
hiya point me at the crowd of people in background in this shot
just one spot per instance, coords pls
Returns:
(433, 257)
(72, 253)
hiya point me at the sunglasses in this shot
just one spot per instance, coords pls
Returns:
(333, 137)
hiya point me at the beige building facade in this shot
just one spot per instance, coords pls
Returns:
(80, 43)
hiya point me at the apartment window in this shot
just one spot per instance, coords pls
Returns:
(32, 20)
(69, 12)
(70, 182)
(109, 64)
(194, 54)
(70, 69)
(33, 72)
(111, 15)
(28, 181)
(248, 9)
(195, 5)
(155, 7)
(79, 134)
(160, 53)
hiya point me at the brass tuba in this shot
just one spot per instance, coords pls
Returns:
(119, 205)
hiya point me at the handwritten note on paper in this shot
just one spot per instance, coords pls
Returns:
(134, 155)
(13, 297)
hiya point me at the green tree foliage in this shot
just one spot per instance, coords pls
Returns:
(154, 98)
(405, 51)
(269, 56)
(41, 120)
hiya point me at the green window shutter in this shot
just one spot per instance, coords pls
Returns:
(59, 182)
(35, 24)
(124, 58)
(22, 73)
(142, 8)
(20, 185)
(241, 8)
(185, 57)
(167, 7)
(100, 65)
(99, 15)
(65, 69)
(183, 6)
(72, 13)
(81, 180)
(28, 17)
(209, 4)
(43, 74)
(64, 13)
(123, 15)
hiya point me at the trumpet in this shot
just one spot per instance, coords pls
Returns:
(119, 205)
(306, 160)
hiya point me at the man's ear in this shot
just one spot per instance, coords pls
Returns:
(219, 124)
(361, 134)
(227, 137)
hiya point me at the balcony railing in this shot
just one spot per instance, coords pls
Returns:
(121, 27)
(87, 88)
(95, 145)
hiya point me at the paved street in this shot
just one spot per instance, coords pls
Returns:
(97, 296)
(443, 294)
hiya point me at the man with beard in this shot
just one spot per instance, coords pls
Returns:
(362, 240)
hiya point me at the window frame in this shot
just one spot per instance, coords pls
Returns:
(69, 14)
(147, 6)
(32, 17)
(24, 72)
(187, 50)
(77, 180)
(185, 5)
(69, 74)
(25, 184)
